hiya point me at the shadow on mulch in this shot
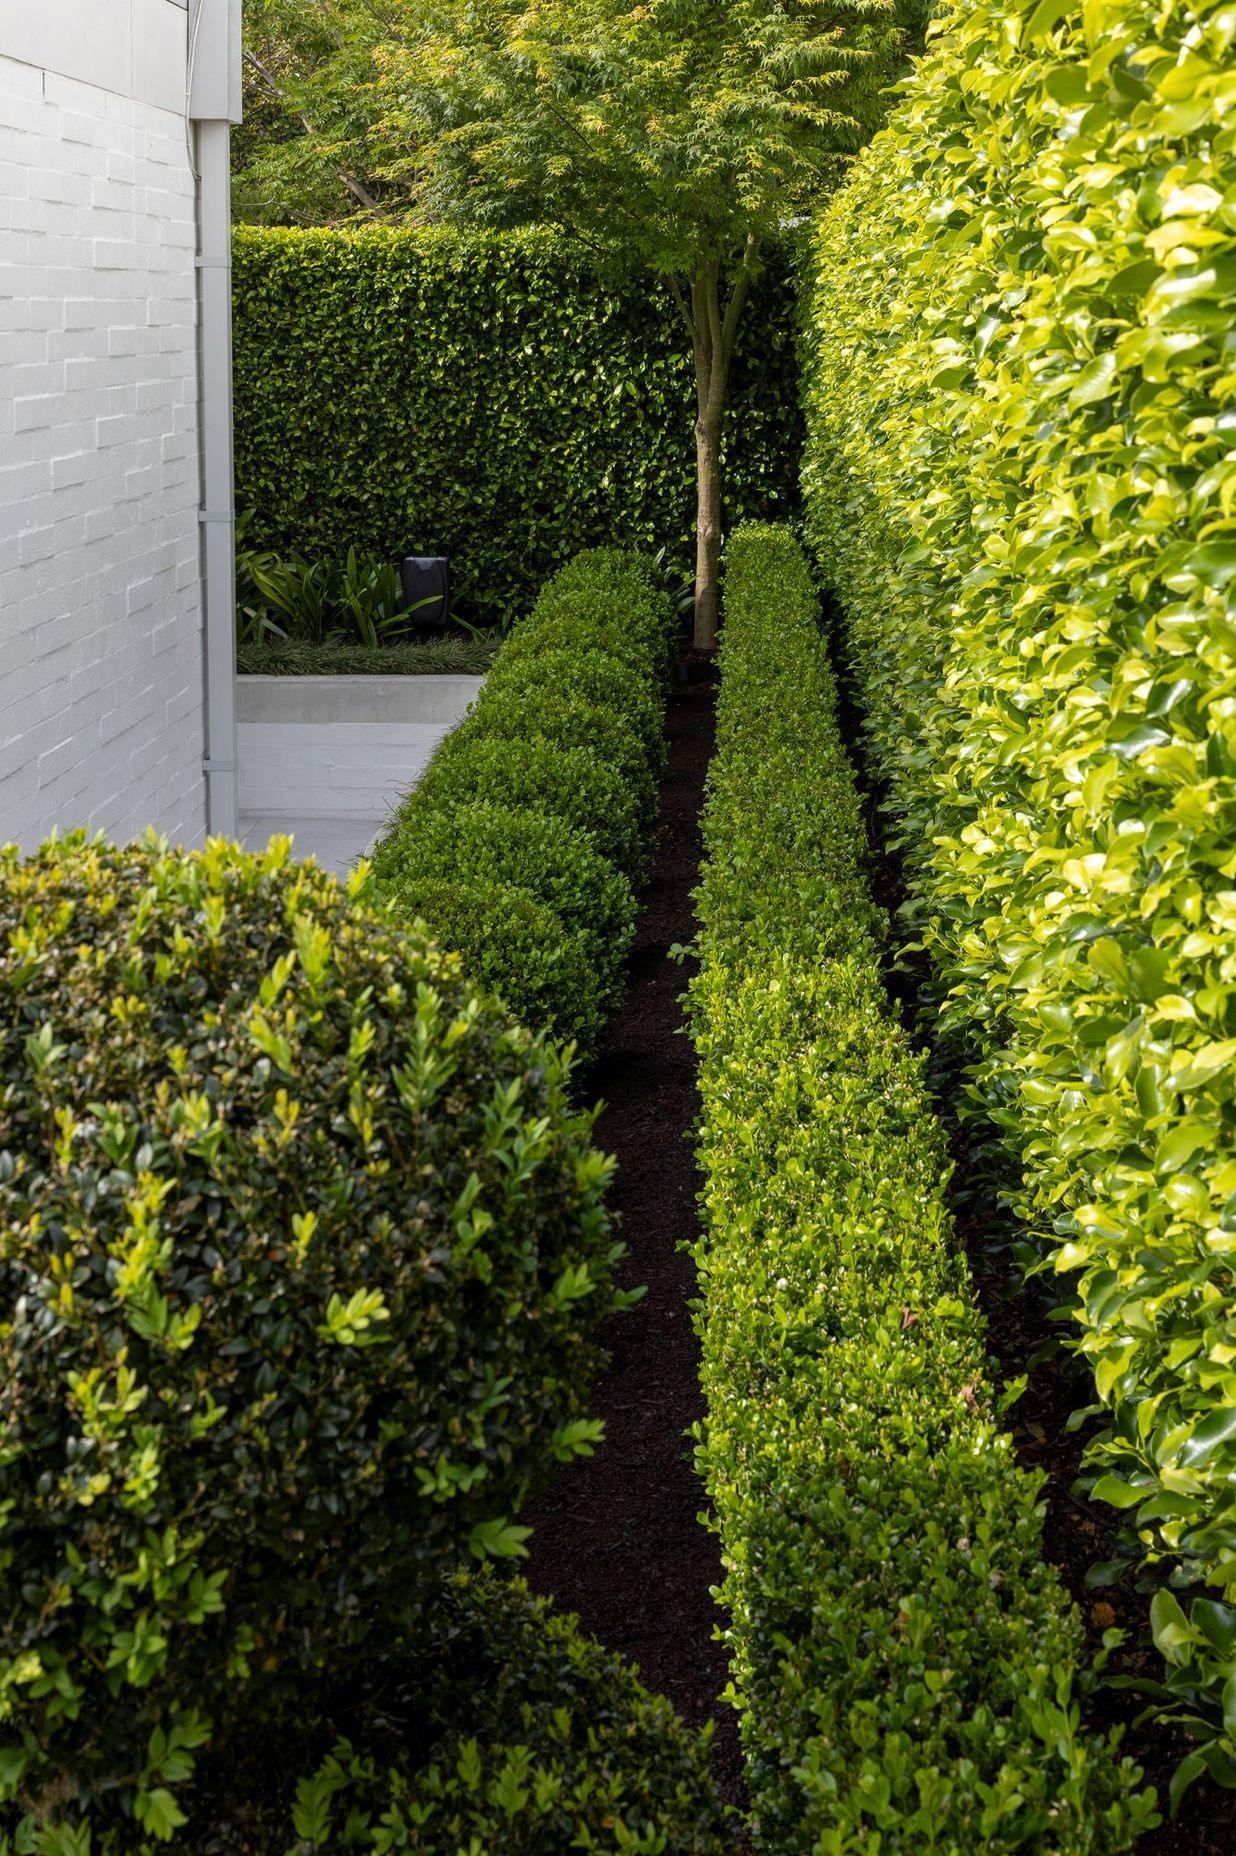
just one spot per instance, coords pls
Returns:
(1077, 1534)
(617, 1536)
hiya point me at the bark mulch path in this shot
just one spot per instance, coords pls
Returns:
(617, 1537)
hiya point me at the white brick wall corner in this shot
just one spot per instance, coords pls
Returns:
(101, 662)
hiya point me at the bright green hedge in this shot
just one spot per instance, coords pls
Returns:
(1022, 485)
(487, 397)
(523, 843)
(909, 1669)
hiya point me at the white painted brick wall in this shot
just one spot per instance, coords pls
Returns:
(101, 666)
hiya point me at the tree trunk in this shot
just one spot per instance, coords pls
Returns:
(707, 531)
(713, 334)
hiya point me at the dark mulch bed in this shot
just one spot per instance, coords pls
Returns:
(617, 1535)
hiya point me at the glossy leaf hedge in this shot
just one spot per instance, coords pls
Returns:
(1021, 360)
(522, 845)
(487, 396)
(911, 1675)
(302, 1254)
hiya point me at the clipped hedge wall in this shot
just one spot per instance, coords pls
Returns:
(1022, 485)
(303, 1249)
(909, 1669)
(523, 843)
(489, 397)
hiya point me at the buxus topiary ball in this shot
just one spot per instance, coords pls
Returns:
(568, 719)
(302, 1252)
(502, 1729)
(515, 945)
(593, 672)
(523, 849)
(574, 783)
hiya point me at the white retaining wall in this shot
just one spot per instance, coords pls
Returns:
(101, 665)
(327, 760)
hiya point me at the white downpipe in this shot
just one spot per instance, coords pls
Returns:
(213, 85)
(218, 517)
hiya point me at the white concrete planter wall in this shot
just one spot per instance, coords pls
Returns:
(328, 759)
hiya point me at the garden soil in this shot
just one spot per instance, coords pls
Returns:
(617, 1535)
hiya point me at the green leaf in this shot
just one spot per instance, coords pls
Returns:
(1191, 1768)
(1116, 1493)
(1045, 15)
(498, 1540)
(1169, 1626)
(1219, 1428)
(13, 1763)
(158, 1812)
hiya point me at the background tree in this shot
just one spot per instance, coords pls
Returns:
(676, 136)
(312, 149)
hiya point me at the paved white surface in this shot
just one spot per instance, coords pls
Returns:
(335, 842)
(329, 783)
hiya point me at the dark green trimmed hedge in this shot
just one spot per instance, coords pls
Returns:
(489, 841)
(1022, 488)
(303, 1250)
(488, 397)
(910, 1670)
(522, 845)
(434, 657)
(520, 1737)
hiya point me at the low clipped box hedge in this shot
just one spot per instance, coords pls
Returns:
(491, 842)
(488, 396)
(910, 1673)
(1019, 481)
(542, 799)
(577, 786)
(302, 1253)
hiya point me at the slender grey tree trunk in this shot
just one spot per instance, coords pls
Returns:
(707, 537)
(708, 520)
(714, 330)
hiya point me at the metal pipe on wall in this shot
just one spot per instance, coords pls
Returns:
(214, 104)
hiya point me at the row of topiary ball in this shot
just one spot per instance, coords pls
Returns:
(525, 842)
(303, 1252)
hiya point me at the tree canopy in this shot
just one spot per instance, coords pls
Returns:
(661, 133)
(673, 137)
(312, 148)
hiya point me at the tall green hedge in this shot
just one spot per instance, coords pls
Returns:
(487, 396)
(1022, 485)
(910, 1670)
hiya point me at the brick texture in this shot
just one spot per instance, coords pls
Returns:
(101, 672)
